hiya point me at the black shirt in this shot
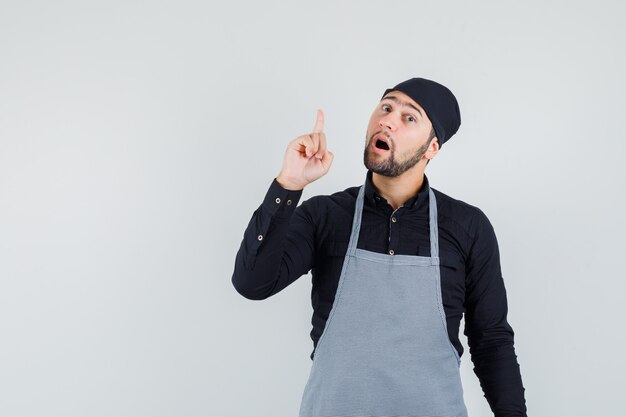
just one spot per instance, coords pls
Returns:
(284, 241)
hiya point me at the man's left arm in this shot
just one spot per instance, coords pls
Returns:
(489, 335)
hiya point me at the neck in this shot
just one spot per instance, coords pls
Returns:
(397, 190)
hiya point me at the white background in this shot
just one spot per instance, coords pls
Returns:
(137, 138)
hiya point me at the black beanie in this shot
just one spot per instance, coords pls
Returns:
(439, 103)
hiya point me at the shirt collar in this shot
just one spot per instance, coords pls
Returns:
(372, 196)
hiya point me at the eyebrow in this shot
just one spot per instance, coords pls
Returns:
(403, 103)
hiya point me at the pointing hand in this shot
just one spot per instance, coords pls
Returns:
(306, 158)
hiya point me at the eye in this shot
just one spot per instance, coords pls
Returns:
(384, 106)
(411, 118)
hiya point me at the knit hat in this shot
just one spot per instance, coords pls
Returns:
(439, 103)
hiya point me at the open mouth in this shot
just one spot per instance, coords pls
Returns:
(381, 144)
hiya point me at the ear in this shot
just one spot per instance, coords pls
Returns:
(433, 148)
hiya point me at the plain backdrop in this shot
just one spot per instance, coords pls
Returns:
(138, 137)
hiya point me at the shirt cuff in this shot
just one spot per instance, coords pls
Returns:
(280, 202)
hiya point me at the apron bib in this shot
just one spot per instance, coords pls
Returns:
(385, 349)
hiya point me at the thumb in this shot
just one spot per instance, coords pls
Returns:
(327, 160)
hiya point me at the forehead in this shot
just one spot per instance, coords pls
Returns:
(403, 100)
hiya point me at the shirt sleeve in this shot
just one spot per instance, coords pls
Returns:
(277, 246)
(490, 337)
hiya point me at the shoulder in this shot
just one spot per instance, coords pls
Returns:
(332, 214)
(342, 200)
(468, 217)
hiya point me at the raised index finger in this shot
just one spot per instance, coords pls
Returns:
(319, 123)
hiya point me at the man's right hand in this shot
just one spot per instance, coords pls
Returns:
(306, 158)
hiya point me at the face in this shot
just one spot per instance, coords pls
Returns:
(397, 136)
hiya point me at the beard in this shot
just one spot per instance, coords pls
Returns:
(392, 167)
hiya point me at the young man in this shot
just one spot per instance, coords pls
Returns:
(395, 264)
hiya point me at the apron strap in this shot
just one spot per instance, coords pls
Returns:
(356, 221)
(434, 227)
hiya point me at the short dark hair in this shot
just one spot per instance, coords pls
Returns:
(430, 137)
(432, 134)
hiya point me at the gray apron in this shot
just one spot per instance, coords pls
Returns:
(385, 349)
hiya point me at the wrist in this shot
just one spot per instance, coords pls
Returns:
(288, 185)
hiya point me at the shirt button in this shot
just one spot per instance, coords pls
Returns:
(288, 202)
(278, 201)
(393, 219)
(260, 237)
(391, 252)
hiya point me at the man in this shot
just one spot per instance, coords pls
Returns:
(395, 264)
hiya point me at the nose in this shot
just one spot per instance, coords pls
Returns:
(387, 121)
